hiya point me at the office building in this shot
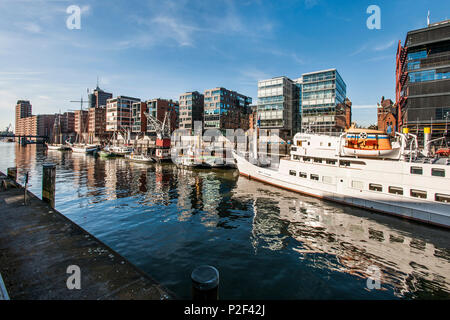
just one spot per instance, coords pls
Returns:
(98, 98)
(161, 109)
(139, 120)
(224, 108)
(323, 101)
(423, 80)
(278, 106)
(23, 110)
(118, 113)
(190, 109)
(81, 121)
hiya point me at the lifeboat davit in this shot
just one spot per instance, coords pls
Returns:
(368, 143)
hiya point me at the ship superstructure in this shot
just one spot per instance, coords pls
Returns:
(365, 169)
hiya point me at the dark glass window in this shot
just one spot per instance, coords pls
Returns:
(438, 172)
(416, 170)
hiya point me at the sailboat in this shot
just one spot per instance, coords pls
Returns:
(80, 146)
(57, 137)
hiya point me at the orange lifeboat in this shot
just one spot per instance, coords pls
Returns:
(367, 143)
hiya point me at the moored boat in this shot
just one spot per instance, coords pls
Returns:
(400, 183)
(139, 158)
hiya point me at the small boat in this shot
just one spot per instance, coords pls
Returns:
(83, 148)
(139, 158)
(369, 143)
(120, 151)
(107, 154)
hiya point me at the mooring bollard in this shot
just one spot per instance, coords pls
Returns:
(205, 283)
(48, 183)
(12, 173)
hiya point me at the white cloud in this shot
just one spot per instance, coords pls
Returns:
(385, 46)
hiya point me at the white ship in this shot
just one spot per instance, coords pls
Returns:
(362, 169)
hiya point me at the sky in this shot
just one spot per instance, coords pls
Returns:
(155, 48)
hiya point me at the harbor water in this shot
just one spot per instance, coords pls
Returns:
(267, 243)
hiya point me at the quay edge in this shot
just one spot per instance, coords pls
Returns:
(38, 244)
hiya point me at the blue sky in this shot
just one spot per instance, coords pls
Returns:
(150, 49)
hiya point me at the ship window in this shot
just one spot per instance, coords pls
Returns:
(306, 159)
(357, 185)
(299, 143)
(442, 197)
(331, 161)
(396, 190)
(329, 144)
(293, 149)
(309, 143)
(318, 160)
(416, 170)
(296, 157)
(293, 172)
(375, 187)
(344, 163)
(303, 175)
(314, 177)
(438, 172)
(418, 194)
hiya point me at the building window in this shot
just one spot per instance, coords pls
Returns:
(442, 197)
(314, 177)
(375, 187)
(418, 194)
(416, 170)
(396, 190)
(303, 175)
(333, 162)
(293, 172)
(438, 172)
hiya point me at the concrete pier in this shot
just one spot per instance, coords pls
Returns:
(39, 244)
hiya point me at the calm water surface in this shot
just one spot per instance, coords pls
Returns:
(266, 242)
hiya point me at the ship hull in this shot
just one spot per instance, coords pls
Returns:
(419, 210)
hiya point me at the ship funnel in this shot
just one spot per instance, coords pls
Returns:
(426, 141)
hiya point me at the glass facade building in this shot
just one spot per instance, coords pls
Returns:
(278, 106)
(423, 79)
(224, 108)
(323, 94)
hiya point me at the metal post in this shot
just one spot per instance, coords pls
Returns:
(25, 190)
(48, 183)
(205, 283)
(12, 173)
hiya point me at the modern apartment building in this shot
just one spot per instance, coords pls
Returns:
(139, 120)
(190, 109)
(278, 106)
(323, 101)
(160, 108)
(23, 110)
(118, 113)
(423, 80)
(98, 98)
(224, 108)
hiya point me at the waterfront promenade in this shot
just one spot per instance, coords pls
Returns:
(38, 244)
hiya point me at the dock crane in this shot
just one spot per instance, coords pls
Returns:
(162, 129)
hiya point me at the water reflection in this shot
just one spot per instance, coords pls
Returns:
(167, 220)
(409, 264)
